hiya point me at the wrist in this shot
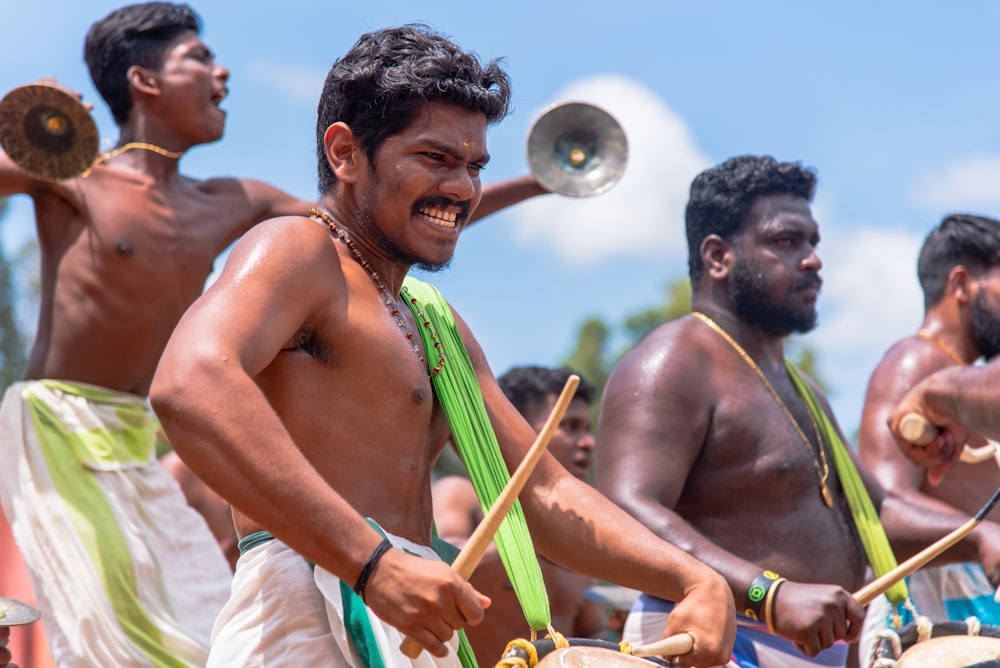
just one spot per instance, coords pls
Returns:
(369, 567)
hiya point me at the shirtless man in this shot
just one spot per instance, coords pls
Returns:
(957, 267)
(707, 437)
(124, 251)
(299, 386)
(533, 390)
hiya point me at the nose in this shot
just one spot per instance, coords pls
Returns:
(222, 72)
(586, 442)
(458, 184)
(812, 262)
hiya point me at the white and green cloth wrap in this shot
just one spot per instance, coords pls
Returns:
(457, 388)
(124, 571)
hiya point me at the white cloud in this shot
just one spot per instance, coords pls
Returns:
(644, 213)
(970, 184)
(301, 84)
(870, 292)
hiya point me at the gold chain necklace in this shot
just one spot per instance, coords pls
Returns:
(159, 150)
(931, 337)
(385, 294)
(824, 473)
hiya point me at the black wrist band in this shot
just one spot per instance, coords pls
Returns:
(753, 606)
(369, 567)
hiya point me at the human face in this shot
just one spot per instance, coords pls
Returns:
(423, 185)
(774, 281)
(984, 313)
(192, 86)
(572, 442)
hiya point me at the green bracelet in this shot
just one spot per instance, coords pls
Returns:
(757, 593)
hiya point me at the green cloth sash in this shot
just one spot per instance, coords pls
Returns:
(873, 538)
(458, 391)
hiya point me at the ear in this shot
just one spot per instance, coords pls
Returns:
(960, 285)
(143, 80)
(343, 153)
(717, 256)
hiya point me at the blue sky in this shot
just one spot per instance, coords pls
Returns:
(893, 103)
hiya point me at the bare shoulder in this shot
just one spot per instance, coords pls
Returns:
(288, 238)
(906, 362)
(676, 350)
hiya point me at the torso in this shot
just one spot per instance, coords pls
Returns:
(118, 272)
(754, 489)
(389, 417)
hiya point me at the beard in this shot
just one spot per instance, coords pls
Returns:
(366, 221)
(751, 303)
(985, 326)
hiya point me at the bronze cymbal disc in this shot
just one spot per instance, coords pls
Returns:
(47, 132)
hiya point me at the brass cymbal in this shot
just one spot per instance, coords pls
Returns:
(47, 131)
(577, 149)
(16, 613)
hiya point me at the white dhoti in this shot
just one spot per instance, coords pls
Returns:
(282, 612)
(124, 571)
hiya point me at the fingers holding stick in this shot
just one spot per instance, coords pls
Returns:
(472, 553)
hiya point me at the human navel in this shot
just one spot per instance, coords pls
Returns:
(124, 248)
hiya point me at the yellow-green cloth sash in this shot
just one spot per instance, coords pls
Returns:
(458, 391)
(873, 538)
(125, 438)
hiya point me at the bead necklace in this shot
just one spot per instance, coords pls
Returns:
(931, 337)
(386, 295)
(159, 150)
(823, 473)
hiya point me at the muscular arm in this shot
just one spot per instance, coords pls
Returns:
(223, 426)
(575, 526)
(654, 419)
(498, 196)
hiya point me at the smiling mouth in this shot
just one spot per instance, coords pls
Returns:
(220, 96)
(439, 217)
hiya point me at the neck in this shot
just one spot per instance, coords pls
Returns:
(767, 349)
(391, 269)
(949, 338)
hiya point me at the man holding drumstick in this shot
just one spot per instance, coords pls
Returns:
(961, 324)
(124, 251)
(306, 386)
(711, 438)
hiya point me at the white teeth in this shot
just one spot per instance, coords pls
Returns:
(442, 218)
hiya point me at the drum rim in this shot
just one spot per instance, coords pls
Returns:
(545, 646)
(882, 649)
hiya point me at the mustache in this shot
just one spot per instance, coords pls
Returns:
(444, 203)
(811, 280)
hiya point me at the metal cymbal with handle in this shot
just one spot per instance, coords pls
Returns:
(577, 149)
(48, 132)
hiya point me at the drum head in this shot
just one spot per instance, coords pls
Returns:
(591, 657)
(951, 652)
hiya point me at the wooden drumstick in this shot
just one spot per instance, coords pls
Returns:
(917, 429)
(882, 584)
(672, 646)
(472, 553)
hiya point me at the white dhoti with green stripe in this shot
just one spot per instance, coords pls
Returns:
(124, 571)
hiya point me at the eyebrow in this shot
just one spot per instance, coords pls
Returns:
(483, 159)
